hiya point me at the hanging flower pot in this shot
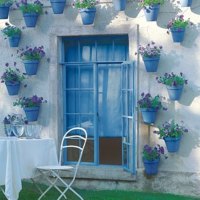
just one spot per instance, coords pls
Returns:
(175, 92)
(4, 11)
(12, 79)
(150, 55)
(186, 3)
(12, 87)
(32, 113)
(87, 15)
(14, 40)
(31, 11)
(119, 5)
(31, 66)
(149, 115)
(151, 158)
(30, 19)
(174, 83)
(178, 34)
(151, 63)
(177, 27)
(172, 143)
(171, 133)
(58, 6)
(31, 57)
(151, 167)
(149, 106)
(151, 12)
(31, 106)
(13, 34)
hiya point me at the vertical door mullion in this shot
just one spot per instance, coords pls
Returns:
(64, 159)
(96, 137)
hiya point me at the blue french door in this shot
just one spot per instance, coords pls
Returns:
(93, 93)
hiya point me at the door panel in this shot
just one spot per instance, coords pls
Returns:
(109, 109)
(93, 95)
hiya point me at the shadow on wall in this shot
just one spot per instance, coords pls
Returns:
(189, 142)
(189, 94)
(192, 32)
(132, 9)
(104, 15)
(195, 8)
(167, 12)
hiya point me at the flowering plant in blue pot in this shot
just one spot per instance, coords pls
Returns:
(174, 84)
(12, 79)
(31, 106)
(171, 133)
(149, 106)
(150, 55)
(87, 10)
(151, 8)
(177, 27)
(4, 8)
(31, 58)
(13, 34)
(30, 11)
(151, 158)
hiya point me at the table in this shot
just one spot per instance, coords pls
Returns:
(19, 159)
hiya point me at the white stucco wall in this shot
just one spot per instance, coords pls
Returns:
(182, 57)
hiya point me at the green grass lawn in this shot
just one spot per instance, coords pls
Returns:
(29, 192)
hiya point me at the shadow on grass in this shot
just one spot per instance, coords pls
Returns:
(30, 192)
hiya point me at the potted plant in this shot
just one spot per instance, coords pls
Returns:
(12, 79)
(31, 58)
(30, 11)
(119, 5)
(174, 84)
(171, 133)
(87, 10)
(151, 158)
(31, 106)
(150, 55)
(151, 8)
(58, 6)
(4, 8)
(185, 3)
(177, 27)
(149, 106)
(13, 33)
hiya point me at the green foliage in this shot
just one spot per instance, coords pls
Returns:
(171, 129)
(12, 75)
(172, 79)
(10, 31)
(85, 3)
(144, 3)
(31, 8)
(6, 2)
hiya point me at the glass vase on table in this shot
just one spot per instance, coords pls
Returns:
(18, 125)
(33, 131)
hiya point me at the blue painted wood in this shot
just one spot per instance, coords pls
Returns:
(94, 92)
(128, 122)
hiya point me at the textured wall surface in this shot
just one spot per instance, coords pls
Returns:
(182, 57)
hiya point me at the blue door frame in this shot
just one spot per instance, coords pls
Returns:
(128, 135)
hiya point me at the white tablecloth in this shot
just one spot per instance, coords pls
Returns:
(19, 159)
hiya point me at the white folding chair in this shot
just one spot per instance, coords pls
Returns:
(55, 170)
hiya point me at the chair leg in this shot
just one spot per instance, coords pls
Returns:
(68, 187)
(38, 188)
(52, 184)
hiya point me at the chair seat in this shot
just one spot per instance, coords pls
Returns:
(55, 167)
